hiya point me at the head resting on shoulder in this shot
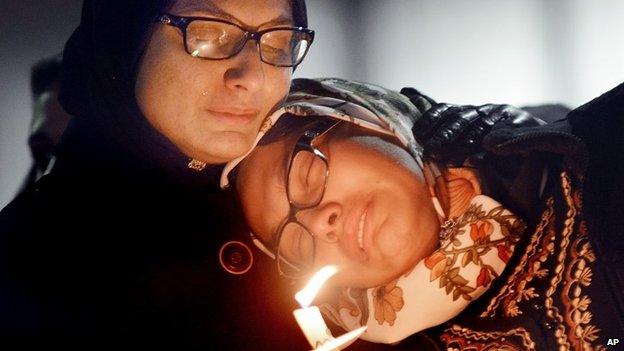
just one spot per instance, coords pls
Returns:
(390, 222)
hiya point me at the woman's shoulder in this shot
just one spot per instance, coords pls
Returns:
(601, 120)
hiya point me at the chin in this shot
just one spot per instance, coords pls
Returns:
(220, 156)
(224, 147)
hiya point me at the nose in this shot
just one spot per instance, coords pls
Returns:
(322, 221)
(246, 71)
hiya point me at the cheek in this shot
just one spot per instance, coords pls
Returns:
(164, 83)
(414, 229)
(395, 244)
(277, 85)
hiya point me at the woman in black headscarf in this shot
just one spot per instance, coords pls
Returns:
(103, 63)
(124, 244)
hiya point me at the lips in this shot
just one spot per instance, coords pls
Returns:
(233, 115)
(358, 231)
(360, 234)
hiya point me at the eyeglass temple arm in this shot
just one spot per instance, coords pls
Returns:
(322, 129)
(268, 252)
(260, 245)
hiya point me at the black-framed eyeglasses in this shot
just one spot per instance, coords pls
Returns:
(217, 39)
(293, 243)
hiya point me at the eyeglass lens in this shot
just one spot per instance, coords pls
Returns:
(306, 179)
(219, 40)
(295, 250)
(306, 185)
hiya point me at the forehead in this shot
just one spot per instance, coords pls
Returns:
(253, 13)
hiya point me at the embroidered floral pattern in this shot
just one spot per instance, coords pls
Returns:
(480, 230)
(529, 267)
(356, 304)
(460, 190)
(484, 277)
(565, 303)
(504, 253)
(578, 274)
(387, 300)
(353, 300)
(464, 339)
(446, 262)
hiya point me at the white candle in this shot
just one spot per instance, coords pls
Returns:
(311, 321)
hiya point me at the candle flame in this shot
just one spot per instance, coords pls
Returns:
(342, 341)
(307, 294)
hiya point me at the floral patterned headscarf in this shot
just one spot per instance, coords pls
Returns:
(366, 105)
(475, 244)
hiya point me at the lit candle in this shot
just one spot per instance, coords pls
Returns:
(311, 321)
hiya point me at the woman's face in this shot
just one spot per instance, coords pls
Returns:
(371, 181)
(212, 109)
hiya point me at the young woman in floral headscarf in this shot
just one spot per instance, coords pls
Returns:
(492, 244)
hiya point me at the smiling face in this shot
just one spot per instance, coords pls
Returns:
(212, 109)
(376, 219)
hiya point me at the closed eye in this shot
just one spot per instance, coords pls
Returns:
(306, 180)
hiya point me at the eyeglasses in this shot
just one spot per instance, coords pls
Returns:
(217, 39)
(306, 182)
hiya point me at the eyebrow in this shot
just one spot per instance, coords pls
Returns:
(208, 6)
(279, 21)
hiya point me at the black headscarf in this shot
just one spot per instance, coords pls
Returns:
(100, 63)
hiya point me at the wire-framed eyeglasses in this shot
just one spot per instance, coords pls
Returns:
(293, 244)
